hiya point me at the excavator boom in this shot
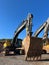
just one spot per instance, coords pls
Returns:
(27, 23)
(40, 29)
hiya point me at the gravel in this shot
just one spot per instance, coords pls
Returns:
(19, 60)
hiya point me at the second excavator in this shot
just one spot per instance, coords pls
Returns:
(44, 27)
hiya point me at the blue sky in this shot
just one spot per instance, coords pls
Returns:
(13, 12)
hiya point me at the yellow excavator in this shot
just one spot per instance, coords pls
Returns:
(16, 45)
(45, 39)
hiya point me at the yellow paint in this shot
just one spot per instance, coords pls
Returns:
(46, 47)
(6, 44)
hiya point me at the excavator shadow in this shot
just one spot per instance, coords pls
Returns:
(12, 54)
(44, 60)
(37, 60)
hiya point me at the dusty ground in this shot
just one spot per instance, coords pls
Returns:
(19, 60)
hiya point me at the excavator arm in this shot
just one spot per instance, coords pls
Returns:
(40, 29)
(19, 29)
(27, 23)
(44, 26)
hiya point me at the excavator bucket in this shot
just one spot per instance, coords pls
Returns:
(33, 47)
